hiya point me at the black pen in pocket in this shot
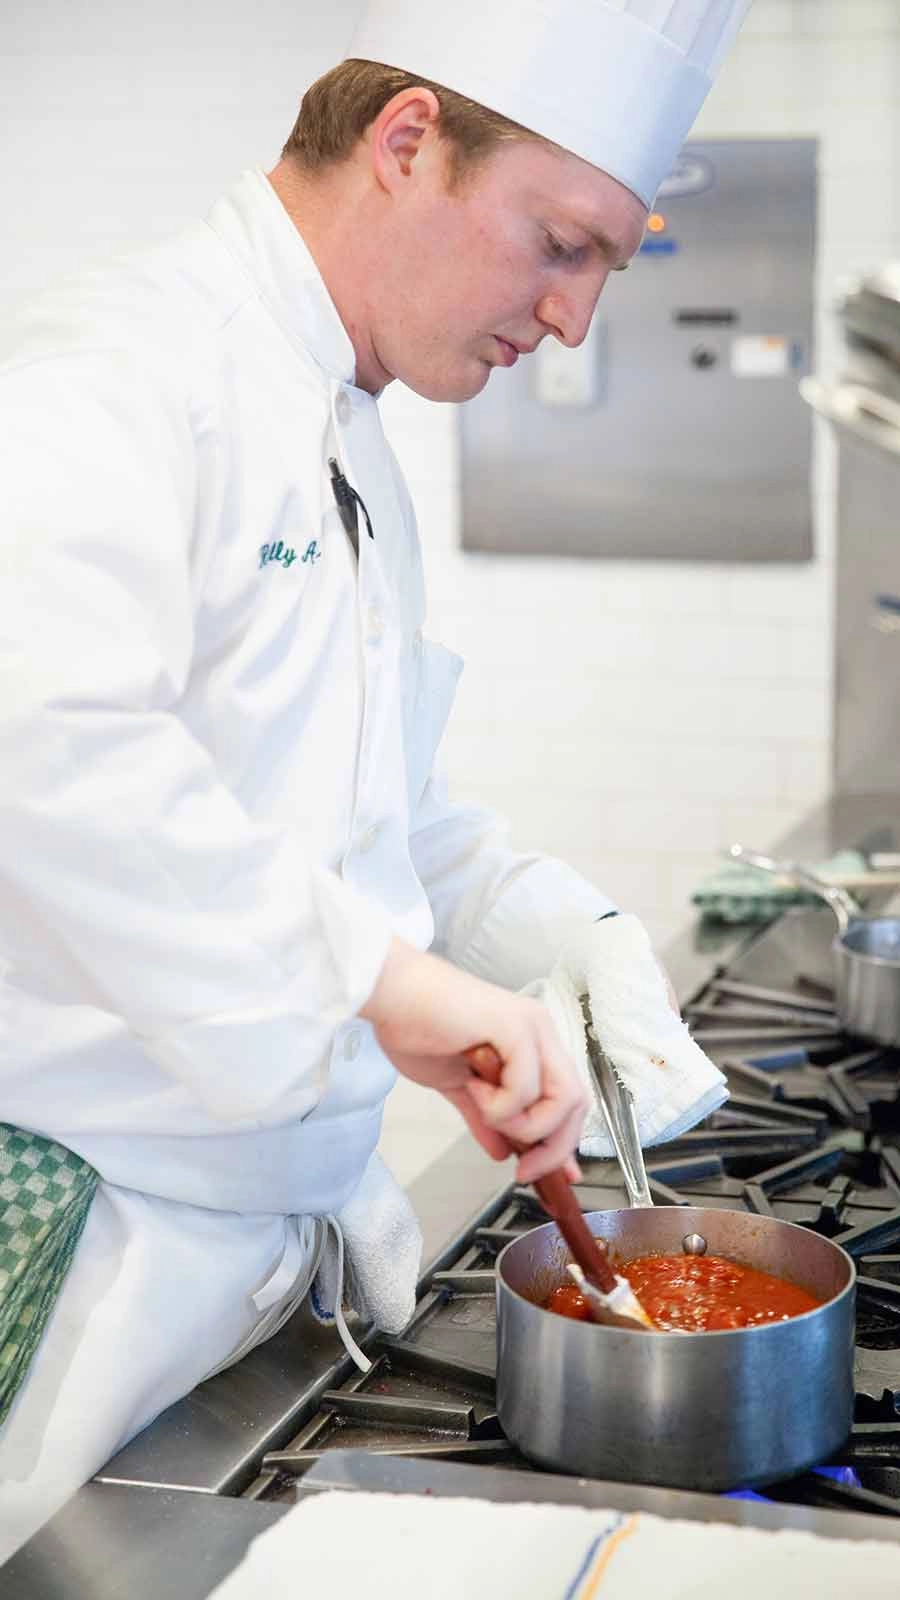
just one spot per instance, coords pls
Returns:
(347, 501)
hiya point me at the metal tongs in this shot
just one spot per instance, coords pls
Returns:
(615, 1301)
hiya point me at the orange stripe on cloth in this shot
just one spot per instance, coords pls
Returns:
(604, 1557)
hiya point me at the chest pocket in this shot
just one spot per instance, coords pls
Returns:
(433, 676)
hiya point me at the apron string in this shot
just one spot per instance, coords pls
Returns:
(347, 1339)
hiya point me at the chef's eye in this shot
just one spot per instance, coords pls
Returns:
(557, 251)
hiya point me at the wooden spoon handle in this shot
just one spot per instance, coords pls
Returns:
(558, 1197)
(555, 1192)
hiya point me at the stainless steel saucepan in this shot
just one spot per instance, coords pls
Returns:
(688, 1410)
(865, 954)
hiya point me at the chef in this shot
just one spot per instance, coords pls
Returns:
(235, 900)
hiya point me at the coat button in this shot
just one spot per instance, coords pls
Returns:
(374, 625)
(352, 1044)
(343, 410)
(368, 839)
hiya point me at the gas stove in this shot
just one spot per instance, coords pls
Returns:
(811, 1134)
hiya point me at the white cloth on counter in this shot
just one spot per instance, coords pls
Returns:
(397, 1547)
(674, 1083)
(371, 1258)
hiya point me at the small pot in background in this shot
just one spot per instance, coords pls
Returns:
(865, 954)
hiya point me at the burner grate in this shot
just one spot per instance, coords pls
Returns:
(877, 1315)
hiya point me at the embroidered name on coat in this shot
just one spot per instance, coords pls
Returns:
(277, 551)
(286, 555)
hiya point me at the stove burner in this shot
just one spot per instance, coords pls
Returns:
(877, 1314)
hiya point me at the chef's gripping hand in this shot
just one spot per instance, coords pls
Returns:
(427, 1014)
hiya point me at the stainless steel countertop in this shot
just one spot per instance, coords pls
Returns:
(162, 1518)
(358, 1470)
(116, 1543)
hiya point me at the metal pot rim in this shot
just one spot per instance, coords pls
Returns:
(840, 946)
(593, 1328)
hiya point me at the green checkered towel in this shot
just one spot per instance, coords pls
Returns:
(45, 1195)
(739, 893)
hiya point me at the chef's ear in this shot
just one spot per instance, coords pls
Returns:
(398, 131)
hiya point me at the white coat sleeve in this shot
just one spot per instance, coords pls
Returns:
(130, 877)
(498, 914)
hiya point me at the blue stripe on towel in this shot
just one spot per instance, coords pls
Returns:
(589, 1558)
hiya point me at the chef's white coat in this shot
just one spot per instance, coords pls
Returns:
(217, 733)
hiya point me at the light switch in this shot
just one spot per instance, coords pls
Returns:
(566, 377)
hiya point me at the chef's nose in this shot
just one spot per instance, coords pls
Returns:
(568, 316)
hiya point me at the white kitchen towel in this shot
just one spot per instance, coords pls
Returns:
(401, 1547)
(371, 1257)
(674, 1083)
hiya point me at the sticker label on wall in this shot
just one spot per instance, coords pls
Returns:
(760, 355)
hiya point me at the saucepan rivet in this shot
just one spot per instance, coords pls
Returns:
(694, 1244)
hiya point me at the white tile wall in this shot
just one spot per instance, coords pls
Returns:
(631, 716)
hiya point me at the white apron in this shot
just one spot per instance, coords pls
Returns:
(145, 1314)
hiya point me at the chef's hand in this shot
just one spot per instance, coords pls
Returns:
(427, 1013)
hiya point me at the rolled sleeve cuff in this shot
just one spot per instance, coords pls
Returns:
(542, 907)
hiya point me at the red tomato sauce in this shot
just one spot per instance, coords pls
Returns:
(697, 1294)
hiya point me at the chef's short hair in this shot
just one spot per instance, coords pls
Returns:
(338, 108)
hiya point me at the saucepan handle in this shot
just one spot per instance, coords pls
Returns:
(842, 904)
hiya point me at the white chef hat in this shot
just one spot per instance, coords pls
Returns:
(618, 82)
